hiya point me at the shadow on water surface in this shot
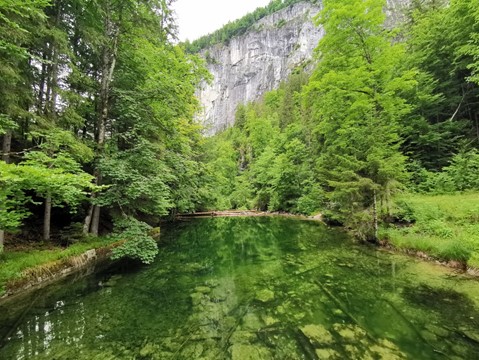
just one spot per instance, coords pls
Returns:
(249, 288)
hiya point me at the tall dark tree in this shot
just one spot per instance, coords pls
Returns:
(356, 100)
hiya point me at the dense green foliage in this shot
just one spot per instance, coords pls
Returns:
(238, 27)
(138, 245)
(92, 122)
(97, 106)
(382, 112)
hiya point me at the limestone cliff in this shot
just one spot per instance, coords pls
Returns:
(259, 60)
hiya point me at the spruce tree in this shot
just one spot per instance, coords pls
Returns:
(355, 96)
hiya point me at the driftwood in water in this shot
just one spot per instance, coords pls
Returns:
(228, 213)
(306, 345)
(343, 308)
(413, 328)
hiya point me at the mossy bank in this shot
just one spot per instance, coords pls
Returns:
(444, 227)
(24, 270)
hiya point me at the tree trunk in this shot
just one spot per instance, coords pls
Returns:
(95, 221)
(87, 222)
(47, 217)
(108, 63)
(41, 92)
(6, 148)
(53, 84)
(375, 215)
(95, 211)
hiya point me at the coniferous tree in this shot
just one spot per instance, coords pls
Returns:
(356, 100)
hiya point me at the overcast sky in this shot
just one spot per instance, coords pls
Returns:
(200, 17)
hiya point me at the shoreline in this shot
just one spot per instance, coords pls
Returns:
(36, 277)
(39, 276)
(245, 213)
(423, 256)
(383, 245)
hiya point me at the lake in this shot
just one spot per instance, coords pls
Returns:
(251, 288)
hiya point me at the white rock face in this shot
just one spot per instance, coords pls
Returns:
(259, 60)
(256, 62)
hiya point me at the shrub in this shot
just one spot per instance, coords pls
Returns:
(138, 244)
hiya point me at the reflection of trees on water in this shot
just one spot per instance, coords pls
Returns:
(206, 281)
(239, 241)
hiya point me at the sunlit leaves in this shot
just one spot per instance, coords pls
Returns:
(15, 180)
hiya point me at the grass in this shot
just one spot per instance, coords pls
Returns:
(443, 226)
(14, 263)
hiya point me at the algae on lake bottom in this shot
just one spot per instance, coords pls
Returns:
(251, 288)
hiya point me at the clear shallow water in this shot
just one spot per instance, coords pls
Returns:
(251, 288)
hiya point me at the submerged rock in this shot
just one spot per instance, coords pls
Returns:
(269, 320)
(472, 334)
(327, 354)
(249, 352)
(265, 295)
(349, 333)
(251, 322)
(196, 298)
(317, 334)
(437, 330)
(428, 336)
(386, 353)
(299, 316)
(148, 349)
(193, 351)
(169, 344)
(212, 283)
(388, 344)
(203, 289)
(242, 337)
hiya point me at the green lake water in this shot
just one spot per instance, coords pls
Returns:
(251, 288)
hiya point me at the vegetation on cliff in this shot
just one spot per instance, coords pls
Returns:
(238, 27)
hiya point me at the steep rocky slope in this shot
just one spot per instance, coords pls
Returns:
(259, 60)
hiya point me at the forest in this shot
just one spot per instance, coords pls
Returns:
(387, 120)
(97, 109)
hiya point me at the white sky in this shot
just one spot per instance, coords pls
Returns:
(200, 17)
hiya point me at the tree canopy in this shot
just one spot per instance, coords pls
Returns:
(96, 114)
(385, 110)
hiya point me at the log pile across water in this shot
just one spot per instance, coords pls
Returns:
(227, 213)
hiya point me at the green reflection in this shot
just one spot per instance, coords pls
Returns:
(251, 288)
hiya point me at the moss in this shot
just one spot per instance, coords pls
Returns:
(17, 267)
